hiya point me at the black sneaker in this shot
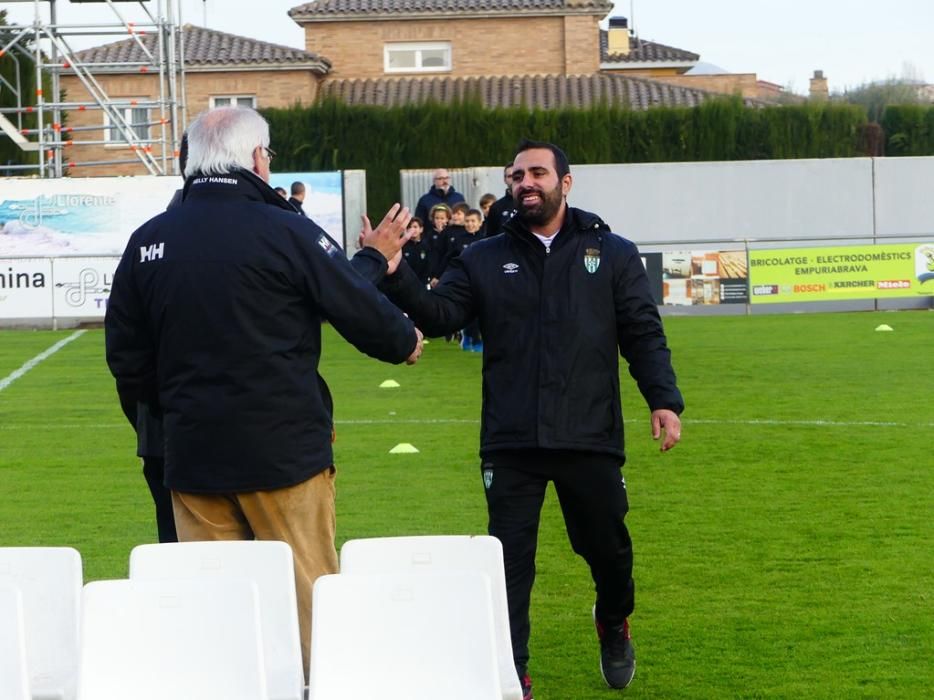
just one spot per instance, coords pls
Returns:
(617, 655)
(526, 682)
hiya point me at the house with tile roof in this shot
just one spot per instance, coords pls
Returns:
(220, 69)
(536, 53)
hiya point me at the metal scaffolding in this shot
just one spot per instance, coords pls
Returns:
(46, 44)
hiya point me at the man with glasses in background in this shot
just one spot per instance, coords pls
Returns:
(441, 192)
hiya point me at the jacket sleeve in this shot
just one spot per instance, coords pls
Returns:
(421, 210)
(369, 264)
(131, 353)
(353, 305)
(439, 311)
(641, 335)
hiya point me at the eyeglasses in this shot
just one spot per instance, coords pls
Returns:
(442, 179)
(270, 154)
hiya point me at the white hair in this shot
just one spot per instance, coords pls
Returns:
(223, 139)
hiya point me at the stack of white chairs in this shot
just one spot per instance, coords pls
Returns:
(171, 638)
(14, 678)
(48, 580)
(270, 566)
(424, 616)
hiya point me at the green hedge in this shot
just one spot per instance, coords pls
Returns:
(331, 135)
(909, 130)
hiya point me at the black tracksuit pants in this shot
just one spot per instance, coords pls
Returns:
(593, 499)
(154, 471)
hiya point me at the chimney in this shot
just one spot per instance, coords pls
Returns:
(819, 90)
(618, 36)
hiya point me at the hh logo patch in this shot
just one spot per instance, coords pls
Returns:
(327, 246)
(152, 252)
(487, 478)
(592, 259)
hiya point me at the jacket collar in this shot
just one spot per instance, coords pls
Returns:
(237, 183)
(441, 194)
(575, 221)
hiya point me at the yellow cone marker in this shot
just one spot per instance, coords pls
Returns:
(884, 327)
(389, 384)
(403, 448)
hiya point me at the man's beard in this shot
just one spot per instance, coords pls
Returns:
(542, 212)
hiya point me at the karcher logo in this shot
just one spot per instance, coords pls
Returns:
(153, 252)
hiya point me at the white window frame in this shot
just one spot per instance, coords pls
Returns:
(116, 140)
(418, 48)
(231, 101)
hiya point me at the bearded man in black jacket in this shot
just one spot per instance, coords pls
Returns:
(215, 318)
(559, 297)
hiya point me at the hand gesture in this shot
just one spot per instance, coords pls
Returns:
(417, 352)
(389, 237)
(670, 423)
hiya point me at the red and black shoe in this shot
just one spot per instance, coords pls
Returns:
(617, 655)
(526, 682)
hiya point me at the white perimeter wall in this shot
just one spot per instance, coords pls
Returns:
(779, 200)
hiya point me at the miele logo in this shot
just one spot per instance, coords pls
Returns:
(510, 268)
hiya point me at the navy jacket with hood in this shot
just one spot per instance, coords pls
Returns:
(215, 316)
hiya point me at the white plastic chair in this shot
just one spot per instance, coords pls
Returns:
(269, 564)
(438, 554)
(185, 640)
(403, 637)
(14, 678)
(49, 580)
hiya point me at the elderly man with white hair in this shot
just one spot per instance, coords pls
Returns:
(214, 321)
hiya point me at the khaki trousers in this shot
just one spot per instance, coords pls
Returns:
(303, 516)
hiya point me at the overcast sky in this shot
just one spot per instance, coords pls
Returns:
(852, 41)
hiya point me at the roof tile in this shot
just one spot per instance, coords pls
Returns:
(642, 51)
(205, 47)
(404, 7)
(540, 91)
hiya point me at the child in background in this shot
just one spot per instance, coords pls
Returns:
(440, 217)
(415, 251)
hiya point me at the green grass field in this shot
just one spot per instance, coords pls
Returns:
(783, 550)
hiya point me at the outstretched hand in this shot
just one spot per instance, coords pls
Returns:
(668, 422)
(419, 346)
(391, 234)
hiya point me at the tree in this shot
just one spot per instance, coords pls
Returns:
(875, 97)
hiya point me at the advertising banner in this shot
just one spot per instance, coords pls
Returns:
(841, 273)
(77, 216)
(82, 286)
(26, 288)
(324, 200)
(95, 216)
(704, 277)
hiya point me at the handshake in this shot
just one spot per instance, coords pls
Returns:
(417, 352)
(388, 238)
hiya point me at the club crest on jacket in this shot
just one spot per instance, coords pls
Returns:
(592, 259)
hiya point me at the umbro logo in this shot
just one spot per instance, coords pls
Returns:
(510, 268)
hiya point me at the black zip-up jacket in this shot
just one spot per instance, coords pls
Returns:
(553, 326)
(215, 315)
(416, 255)
(433, 197)
(501, 211)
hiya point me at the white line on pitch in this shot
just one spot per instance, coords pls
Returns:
(474, 421)
(16, 374)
